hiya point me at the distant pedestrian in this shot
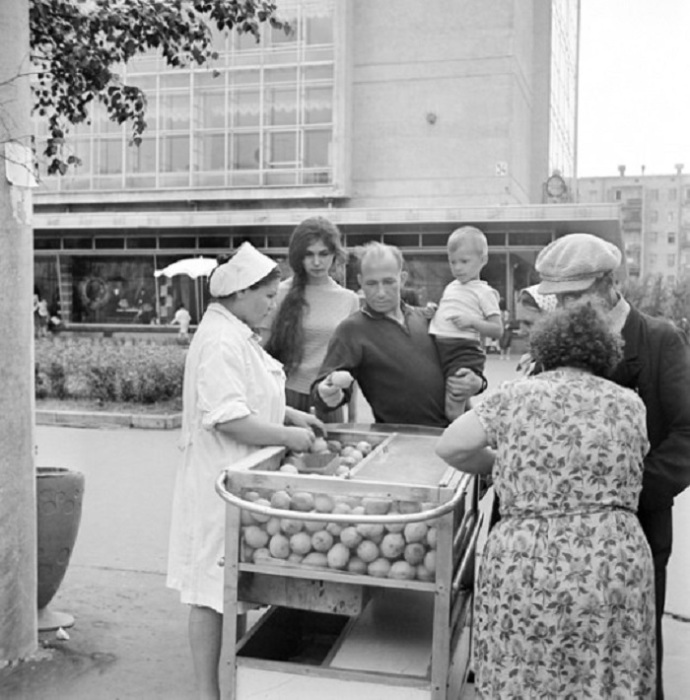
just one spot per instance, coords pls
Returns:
(506, 338)
(41, 316)
(183, 319)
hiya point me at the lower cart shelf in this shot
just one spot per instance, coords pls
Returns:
(380, 654)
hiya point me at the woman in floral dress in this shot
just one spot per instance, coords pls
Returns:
(564, 604)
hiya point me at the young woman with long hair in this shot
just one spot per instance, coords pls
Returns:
(310, 306)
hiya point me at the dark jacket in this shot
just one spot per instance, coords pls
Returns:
(396, 366)
(656, 364)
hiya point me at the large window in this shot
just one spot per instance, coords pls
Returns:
(115, 289)
(261, 116)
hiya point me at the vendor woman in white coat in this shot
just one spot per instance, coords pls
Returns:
(233, 404)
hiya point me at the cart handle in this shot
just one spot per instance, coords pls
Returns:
(432, 514)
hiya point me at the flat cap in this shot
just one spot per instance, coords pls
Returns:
(572, 263)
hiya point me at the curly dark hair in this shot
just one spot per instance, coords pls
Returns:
(576, 336)
(286, 341)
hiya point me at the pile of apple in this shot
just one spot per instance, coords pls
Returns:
(349, 455)
(394, 550)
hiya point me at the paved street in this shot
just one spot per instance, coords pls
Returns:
(130, 637)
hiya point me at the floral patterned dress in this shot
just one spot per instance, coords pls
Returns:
(564, 605)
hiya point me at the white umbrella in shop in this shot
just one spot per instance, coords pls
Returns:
(192, 267)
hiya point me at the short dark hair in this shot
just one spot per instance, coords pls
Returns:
(576, 336)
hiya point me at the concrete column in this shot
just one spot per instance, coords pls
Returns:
(18, 635)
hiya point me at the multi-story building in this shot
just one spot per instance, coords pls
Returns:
(397, 119)
(655, 218)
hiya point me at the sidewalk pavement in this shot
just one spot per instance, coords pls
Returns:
(130, 637)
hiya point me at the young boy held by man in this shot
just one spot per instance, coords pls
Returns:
(468, 311)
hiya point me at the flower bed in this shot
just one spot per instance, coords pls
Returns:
(108, 370)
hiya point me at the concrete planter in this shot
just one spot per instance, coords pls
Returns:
(59, 494)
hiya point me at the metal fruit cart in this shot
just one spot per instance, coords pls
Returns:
(397, 630)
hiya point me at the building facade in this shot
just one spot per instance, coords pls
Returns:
(655, 219)
(397, 122)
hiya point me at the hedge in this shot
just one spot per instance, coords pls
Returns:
(108, 370)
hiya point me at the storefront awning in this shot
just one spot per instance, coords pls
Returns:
(600, 219)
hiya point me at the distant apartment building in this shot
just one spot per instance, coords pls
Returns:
(655, 218)
(397, 119)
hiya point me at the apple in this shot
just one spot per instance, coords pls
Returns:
(348, 462)
(356, 455)
(341, 379)
(319, 445)
(334, 446)
(364, 447)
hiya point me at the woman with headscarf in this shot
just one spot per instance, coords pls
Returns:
(564, 601)
(531, 306)
(233, 404)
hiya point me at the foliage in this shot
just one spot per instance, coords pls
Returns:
(77, 48)
(679, 302)
(656, 297)
(108, 370)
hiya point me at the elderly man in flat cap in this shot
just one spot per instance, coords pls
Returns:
(656, 364)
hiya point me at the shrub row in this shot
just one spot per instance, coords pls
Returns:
(108, 370)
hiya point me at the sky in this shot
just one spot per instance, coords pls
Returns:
(634, 89)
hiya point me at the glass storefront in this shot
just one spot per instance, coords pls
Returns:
(263, 115)
(97, 289)
(109, 278)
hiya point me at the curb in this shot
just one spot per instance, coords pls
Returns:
(79, 419)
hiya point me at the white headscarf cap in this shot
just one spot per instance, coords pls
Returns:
(546, 302)
(246, 267)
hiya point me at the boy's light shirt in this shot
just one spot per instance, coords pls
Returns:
(474, 298)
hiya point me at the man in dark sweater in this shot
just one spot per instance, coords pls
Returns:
(656, 364)
(387, 349)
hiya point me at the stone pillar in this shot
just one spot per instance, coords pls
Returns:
(18, 635)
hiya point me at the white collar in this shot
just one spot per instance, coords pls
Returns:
(240, 326)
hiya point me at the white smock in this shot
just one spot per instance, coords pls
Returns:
(227, 376)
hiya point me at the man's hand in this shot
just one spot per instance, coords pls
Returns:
(430, 310)
(463, 384)
(331, 388)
